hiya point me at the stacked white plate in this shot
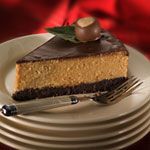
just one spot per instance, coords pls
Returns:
(83, 126)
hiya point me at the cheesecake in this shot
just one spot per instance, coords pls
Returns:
(59, 67)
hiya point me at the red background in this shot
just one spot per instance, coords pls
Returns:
(129, 20)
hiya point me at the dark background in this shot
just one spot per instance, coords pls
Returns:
(128, 19)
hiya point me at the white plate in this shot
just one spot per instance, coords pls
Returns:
(129, 141)
(23, 146)
(80, 127)
(84, 113)
(18, 126)
(75, 136)
(142, 129)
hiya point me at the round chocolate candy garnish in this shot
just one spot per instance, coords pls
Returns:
(87, 29)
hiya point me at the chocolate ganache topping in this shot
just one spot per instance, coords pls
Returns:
(58, 48)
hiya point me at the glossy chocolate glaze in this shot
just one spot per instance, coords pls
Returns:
(57, 48)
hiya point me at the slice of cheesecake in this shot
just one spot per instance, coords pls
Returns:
(60, 67)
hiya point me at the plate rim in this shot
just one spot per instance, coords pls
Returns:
(126, 144)
(116, 123)
(144, 127)
(88, 120)
(120, 131)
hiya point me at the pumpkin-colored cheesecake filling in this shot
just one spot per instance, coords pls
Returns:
(70, 72)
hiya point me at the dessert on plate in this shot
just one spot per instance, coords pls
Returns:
(82, 59)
